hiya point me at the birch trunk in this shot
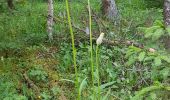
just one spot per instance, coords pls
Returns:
(110, 10)
(166, 12)
(50, 20)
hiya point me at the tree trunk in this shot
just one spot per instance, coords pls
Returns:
(50, 20)
(109, 9)
(166, 12)
(10, 4)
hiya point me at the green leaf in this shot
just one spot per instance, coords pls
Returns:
(131, 60)
(141, 56)
(107, 84)
(142, 92)
(158, 23)
(149, 58)
(149, 34)
(165, 72)
(150, 31)
(82, 85)
(157, 61)
(165, 58)
(67, 80)
(157, 34)
(153, 96)
(106, 96)
(129, 53)
(136, 49)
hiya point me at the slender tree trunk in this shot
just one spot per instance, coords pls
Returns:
(166, 12)
(50, 20)
(110, 10)
(10, 4)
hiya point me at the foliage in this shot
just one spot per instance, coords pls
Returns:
(8, 89)
(38, 74)
(155, 32)
(149, 89)
(121, 72)
(154, 3)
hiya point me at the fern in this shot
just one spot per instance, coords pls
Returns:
(149, 89)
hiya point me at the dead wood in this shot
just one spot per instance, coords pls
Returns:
(79, 38)
(31, 84)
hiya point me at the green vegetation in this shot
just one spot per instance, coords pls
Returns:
(132, 64)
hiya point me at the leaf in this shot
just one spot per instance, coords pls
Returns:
(107, 84)
(150, 31)
(136, 49)
(165, 58)
(158, 23)
(82, 85)
(129, 53)
(141, 56)
(67, 80)
(157, 34)
(106, 96)
(153, 96)
(130, 61)
(165, 72)
(144, 91)
(157, 61)
(148, 34)
(149, 58)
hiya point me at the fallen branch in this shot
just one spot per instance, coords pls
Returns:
(127, 43)
(31, 84)
(106, 41)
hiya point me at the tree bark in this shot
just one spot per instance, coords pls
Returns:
(50, 20)
(10, 4)
(166, 12)
(110, 10)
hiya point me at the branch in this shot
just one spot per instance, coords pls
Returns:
(31, 84)
(106, 41)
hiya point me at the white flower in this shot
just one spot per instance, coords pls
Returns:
(100, 39)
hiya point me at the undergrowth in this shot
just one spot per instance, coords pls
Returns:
(75, 67)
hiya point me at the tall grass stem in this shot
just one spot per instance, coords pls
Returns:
(91, 44)
(73, 47)
(97, 68)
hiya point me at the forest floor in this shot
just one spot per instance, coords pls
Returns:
(32, 68)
